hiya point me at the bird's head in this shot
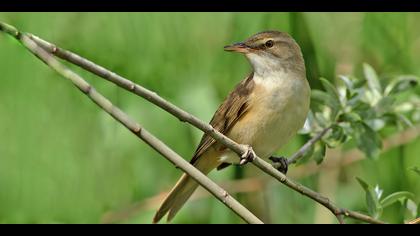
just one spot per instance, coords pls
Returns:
(270, 51)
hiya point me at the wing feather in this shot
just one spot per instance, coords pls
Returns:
(228, 113)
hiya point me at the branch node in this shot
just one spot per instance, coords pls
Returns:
(137, 130)
(87, 89)
(18, 35)
(225, 195)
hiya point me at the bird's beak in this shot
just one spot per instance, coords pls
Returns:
(238, 47)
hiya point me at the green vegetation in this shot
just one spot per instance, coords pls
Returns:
(62, 160)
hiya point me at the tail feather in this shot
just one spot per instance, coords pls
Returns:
(183, 189)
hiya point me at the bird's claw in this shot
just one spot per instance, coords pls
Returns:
(248, 156)
(280, 163)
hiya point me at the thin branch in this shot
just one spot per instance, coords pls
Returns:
(140, 91)
(414, 222)
(186, 117)
(134, 127)
(299, 154)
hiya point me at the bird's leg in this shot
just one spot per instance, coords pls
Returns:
(248, 156)
(280, 163)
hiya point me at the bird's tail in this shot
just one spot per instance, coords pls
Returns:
(183, 189)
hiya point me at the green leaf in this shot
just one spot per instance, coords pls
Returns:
(330, 88)
(349, 117)
(412, 207)
(358, 83)
(390, 118)
(349, 91)
(367, 140)
(347, 129)
(347, 82)
(400, 85)
(319, 152)
(376, 124)
(362, 183)
(390, 199)
(363, 109)
(355, 98)
(309, 125)
(405, 107)
(319, 96)
(372, 78)
(336, 137)
(384, 105)
(325, 99)
(372, 200)
(404, 120)
(378, 192)
(321, 119)
(306, 156)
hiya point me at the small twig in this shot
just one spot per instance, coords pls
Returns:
(187, 117)
(299, 154)
(414, 222)
(135, 128)
(353, 155)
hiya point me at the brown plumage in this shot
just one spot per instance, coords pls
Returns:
(264, 110)
(228, 113)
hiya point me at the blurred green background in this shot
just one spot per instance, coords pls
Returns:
(62, 160)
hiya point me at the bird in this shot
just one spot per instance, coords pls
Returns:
(264, 111)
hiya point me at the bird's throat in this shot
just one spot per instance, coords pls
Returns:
(265, 65)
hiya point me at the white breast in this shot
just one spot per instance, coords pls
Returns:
(279, 107)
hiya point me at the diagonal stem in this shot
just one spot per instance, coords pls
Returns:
(299, 154)
(138, 130)
(187, 117)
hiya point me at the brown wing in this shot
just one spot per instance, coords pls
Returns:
(228, 113)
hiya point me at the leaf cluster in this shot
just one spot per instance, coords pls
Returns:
(358, 109)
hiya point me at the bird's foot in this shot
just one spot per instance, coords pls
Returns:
(248, 156)
(280, 163)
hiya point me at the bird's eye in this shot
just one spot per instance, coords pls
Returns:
(269, 43)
